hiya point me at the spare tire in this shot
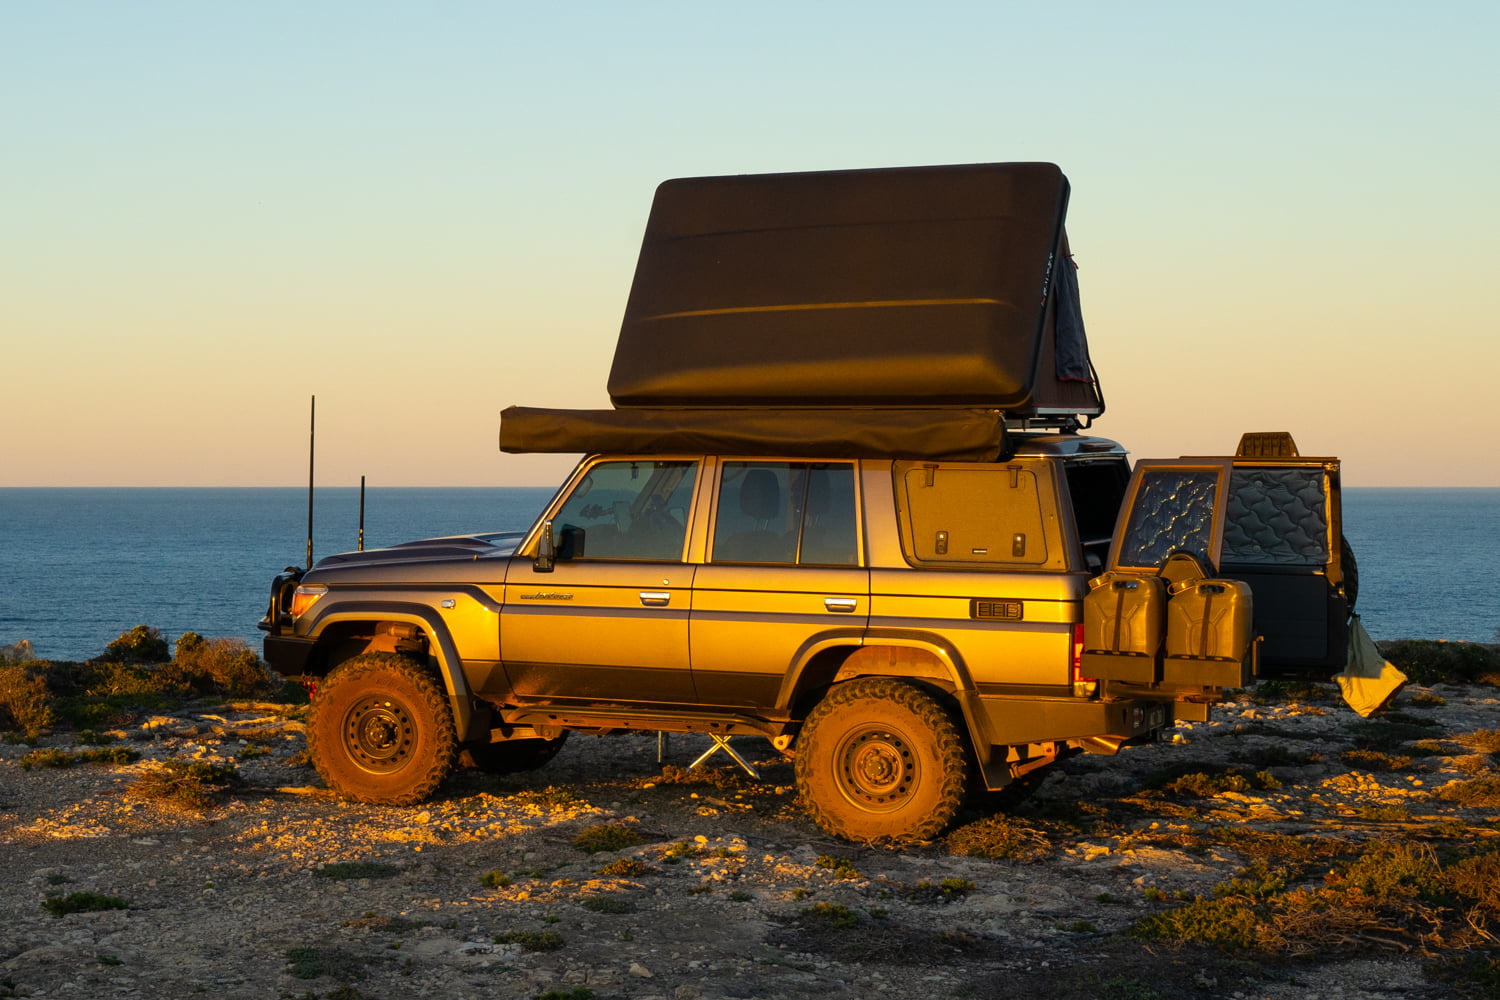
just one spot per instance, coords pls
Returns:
(1351, 571)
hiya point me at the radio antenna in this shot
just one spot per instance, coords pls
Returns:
(312, 438)
(361, 513)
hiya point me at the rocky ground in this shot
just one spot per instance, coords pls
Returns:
(708, 884)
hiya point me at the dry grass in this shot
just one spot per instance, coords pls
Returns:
(1000, 837)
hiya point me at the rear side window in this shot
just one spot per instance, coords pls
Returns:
(1173, 510)
(788, 513)
(971, 514)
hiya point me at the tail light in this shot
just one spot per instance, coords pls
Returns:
(1083, 687)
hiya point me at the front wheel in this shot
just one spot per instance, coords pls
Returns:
(381, 731)
(879, 759)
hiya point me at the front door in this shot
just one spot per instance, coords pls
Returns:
(608, 624)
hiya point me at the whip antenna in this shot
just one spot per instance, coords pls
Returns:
(312, 437)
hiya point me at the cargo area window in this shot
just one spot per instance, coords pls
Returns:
(627, 510)
(792, 513)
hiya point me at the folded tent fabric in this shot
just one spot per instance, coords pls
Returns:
(936, 434)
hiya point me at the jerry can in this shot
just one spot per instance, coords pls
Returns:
(1124, 620)
(1210, 633)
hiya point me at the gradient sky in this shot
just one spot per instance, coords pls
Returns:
(1285, 214)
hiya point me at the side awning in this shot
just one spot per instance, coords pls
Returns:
(954, 435)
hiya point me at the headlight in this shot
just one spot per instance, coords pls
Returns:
(305, 596)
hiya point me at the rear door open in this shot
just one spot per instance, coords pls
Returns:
(1271, 521)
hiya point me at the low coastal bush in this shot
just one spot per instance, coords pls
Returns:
(24, 701)
(193, 784)
(1428, 661)
(134, 673)
(81, 902)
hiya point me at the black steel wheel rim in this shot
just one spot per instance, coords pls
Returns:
(379, 734)
(877, 769)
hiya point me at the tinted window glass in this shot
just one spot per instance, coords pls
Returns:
(786, 512)
(627, 510)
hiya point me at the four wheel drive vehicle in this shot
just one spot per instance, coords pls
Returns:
(909, 593)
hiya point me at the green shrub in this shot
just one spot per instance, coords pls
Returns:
(999, 837)
(608, 904)
(81, 902)
(1226, 923)
(831, 915)
(842, 867)
(51, 757)
(24, 702)
(627, 868)
(1375, 760)
(308, 962)
(220, 666)
(343, 871)
(531, 940)
(497, 880)
(1428, 661)
(142, 644)
(607, 837)
(195, 784)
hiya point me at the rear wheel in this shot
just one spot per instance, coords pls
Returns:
(381, 730)
(511, 756)
(879, 759)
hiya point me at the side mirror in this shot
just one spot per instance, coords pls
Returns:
(546, 550)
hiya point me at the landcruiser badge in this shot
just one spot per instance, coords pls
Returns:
(549, 596)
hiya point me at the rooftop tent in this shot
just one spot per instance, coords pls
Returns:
(904, 312)
(922, 286)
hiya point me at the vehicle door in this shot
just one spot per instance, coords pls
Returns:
(783, 575)
(1272, 524)
(608, 622)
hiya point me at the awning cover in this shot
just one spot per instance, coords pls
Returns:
(959, 435)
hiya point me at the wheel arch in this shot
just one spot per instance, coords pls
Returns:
(921, 658)
(346, 626)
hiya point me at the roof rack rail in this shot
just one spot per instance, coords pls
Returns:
(1065, 423)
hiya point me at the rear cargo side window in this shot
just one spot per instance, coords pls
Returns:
(975, 515)
(786, 513)
(627, 510)
(1173, 510)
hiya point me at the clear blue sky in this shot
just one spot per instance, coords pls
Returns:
(1285, 214)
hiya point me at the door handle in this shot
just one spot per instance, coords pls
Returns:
(843, 605)
(656, 598)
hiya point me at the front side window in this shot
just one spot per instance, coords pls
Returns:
(627, 510)
(791, 513)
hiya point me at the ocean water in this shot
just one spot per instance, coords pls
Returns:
(80, 566)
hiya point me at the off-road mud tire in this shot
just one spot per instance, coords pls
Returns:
(1350, 569)
(879, 760)
(511, 756)
(381, 730)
